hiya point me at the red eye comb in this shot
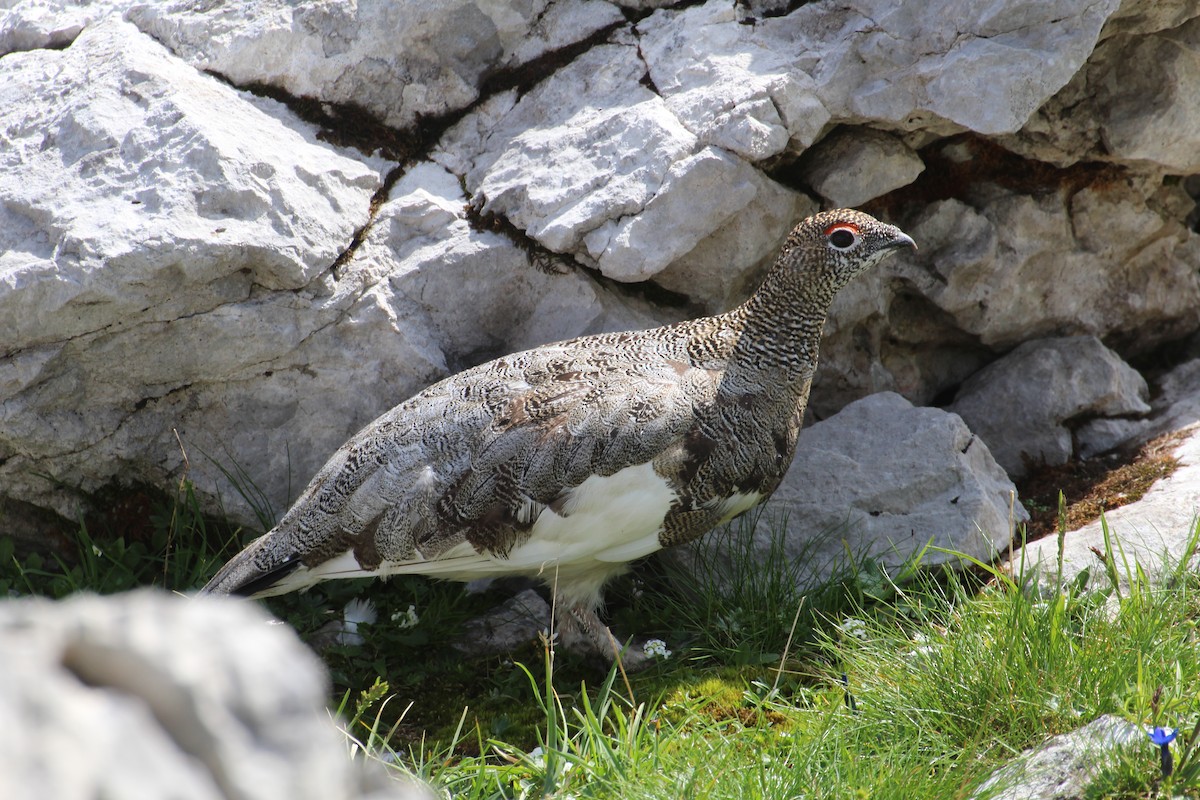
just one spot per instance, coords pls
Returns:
(849, 226)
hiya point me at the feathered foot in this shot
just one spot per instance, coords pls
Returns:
(581, 630)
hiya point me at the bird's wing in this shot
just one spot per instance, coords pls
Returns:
(466, 466)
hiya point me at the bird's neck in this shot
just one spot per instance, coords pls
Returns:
(780, 328)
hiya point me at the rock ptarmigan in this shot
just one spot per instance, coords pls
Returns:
(568, 461)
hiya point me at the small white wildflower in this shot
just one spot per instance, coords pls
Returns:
(922, 649)
(97, 552)
(656, 648)
(406, 619)
(854, 628)
(537, 756)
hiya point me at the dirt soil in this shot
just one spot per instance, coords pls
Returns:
(1093, 486)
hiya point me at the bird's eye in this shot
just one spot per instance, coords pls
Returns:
(843, 237)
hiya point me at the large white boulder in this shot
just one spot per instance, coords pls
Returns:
(113, 147)
(769, 87)
(1130, 105)
(181, 258)
(148, 247)
(153, 695)
(37, 24)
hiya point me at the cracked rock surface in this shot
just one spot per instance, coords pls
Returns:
(399, 61)
(1020, 404)
(251, 227)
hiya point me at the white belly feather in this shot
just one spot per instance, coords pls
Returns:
(614, 518)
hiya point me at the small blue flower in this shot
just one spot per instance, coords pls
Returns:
(1163, 736)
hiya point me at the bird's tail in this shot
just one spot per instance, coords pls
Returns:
(257, 571)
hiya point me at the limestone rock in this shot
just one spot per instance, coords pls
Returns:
(699, 191)
(610, 141)
(1175, 406)
(881, 480)
(1177, 401)
(37, 24)
(631, 191)
(513, 624)
(729, 86)
(728, 264)
(428, 264)
(989, 266)
(136, 140)
(943, 65)
(399, 61)
(1104, 434)
(1113, 259)
(152, 695)
(850, 167)
(1021, 404)
(1063, 766)
(166, 271)
(1130, 104)
(132, 220)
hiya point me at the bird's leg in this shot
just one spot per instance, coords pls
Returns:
(580, 628)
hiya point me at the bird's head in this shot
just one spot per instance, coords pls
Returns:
(838, 245)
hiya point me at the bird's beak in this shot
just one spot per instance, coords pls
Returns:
(901, 239)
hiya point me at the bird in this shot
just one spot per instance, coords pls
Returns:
(569, 461)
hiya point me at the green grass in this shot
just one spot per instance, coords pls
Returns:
(860, 689)
(175, 547)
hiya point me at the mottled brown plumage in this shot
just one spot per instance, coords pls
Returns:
(570, 460)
